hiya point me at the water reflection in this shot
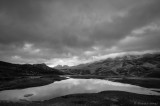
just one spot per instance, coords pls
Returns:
(70, 86)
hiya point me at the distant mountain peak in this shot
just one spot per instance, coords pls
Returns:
(61, 66)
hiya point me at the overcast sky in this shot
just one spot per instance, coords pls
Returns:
(76, 31)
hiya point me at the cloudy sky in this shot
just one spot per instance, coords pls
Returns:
(76, 31)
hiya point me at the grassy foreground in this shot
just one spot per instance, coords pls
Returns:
(106, 98)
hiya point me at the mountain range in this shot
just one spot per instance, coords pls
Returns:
(146, 65)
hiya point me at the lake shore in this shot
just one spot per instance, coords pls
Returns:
(105, 98)
(29, 81)
(139, 81)
(35, 81)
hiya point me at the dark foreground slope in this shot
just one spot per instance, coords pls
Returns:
(16, 76)
(9, 69)
(147, 65)
(106, 98)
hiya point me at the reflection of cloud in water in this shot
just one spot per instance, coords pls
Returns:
(71, 86)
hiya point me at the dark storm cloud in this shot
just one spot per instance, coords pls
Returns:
(46, 29)
(142, 39)
(137, 17)
(28, 10)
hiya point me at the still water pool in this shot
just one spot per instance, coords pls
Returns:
(71, 86)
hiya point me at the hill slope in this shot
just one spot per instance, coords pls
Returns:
(8, 70)
(147, 65)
